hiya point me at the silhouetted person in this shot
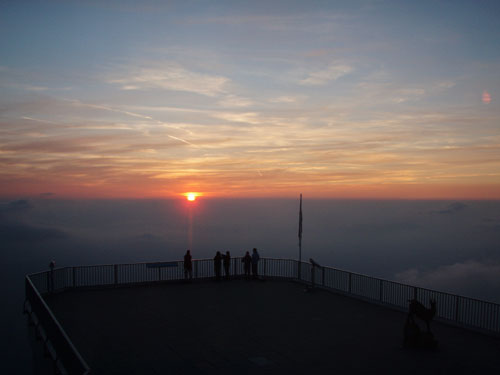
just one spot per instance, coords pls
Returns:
(188, 266)
(247, 262)
(217, 264)
(227, 264)
(255, 263)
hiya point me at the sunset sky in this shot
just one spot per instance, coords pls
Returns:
(360, 99)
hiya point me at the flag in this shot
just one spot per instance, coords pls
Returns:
(299, 263)
(300, 220)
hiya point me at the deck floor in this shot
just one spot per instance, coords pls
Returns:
(255, 327)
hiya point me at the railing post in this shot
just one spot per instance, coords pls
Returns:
(115, 271)
(415, 292)
(196, 269)
(265, 262)
(74, 277)
(159, 273)
(323, 276)
(313, 276)
(457, 308)
(381, 294)
(350, 278)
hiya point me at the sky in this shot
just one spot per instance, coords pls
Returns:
(344, 99)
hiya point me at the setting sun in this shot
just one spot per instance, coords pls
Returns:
(191, 196)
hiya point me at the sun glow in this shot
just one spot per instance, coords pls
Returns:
(191, 196)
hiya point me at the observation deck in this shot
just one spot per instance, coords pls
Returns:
(144, 319)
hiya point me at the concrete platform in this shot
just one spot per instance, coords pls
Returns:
(255, 327)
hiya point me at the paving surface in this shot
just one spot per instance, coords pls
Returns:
(255, 327)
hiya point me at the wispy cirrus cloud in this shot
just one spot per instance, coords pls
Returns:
(322, 77)
(286, 99)
(169, 76)
(27, 87)
(382, 87)
(231, 101)
(316, 23)
(141, 143)
(443, 85)
(79, 103)
(403, 95)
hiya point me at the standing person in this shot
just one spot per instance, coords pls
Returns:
(247, 261)
(217, 265)
(255, 263)
(188, 265)
(227, 263)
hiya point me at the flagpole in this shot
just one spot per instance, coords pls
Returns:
(300, 238)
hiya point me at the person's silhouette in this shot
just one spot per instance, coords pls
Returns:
(227, 264)
(217, 265)
(247, 262)
(255, 263)
(188, 266)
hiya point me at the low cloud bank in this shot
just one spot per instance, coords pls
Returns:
(15, 206)
(28, 233)
(452, 208)
(14, 229)
(480, 279)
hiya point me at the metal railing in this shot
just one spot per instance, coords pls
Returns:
(66, 358)
(464, 311)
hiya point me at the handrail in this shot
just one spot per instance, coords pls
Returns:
(397, 282)
(461, 310)
(278, 259)
(464, 311)
(72, 361)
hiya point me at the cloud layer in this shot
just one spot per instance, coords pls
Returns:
(478, 278)
(169, 76)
